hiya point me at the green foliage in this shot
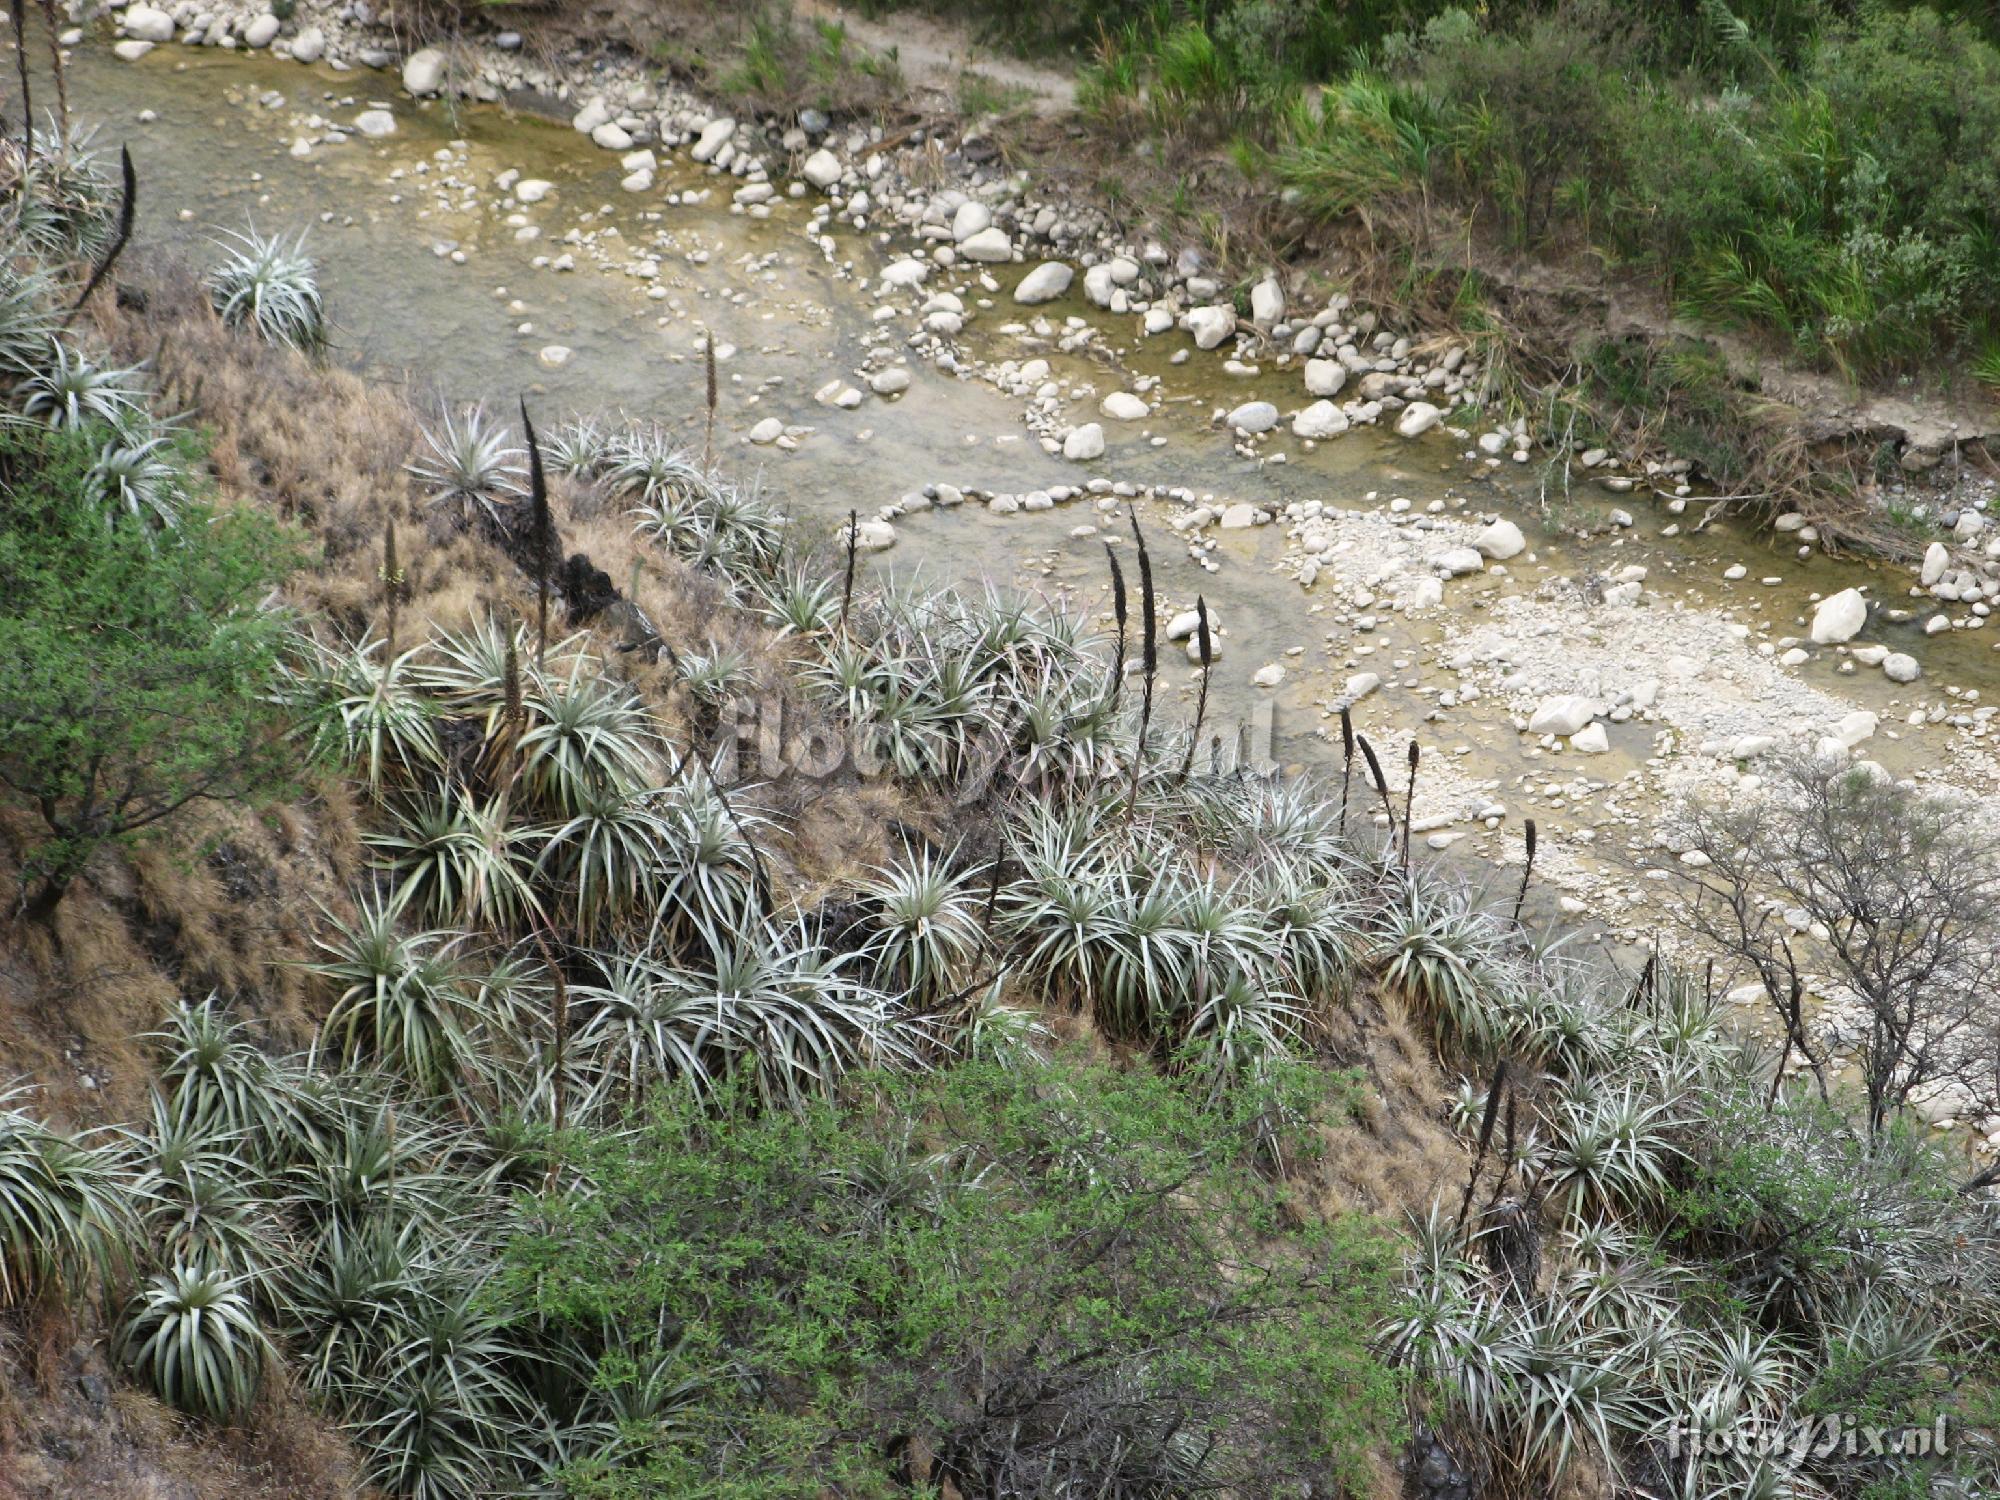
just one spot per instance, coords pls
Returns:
(1783, 202)
(66, 1219)
(1069, 1271)
(193, 1337)
(136, 665)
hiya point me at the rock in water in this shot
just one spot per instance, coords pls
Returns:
(714, 135)
(309, 46)
(971, 218)
(1045, 283)
(1839, 617)
(148, 23)
(1590, 740)
(822, 169)
(1084, 443)
(1123, 406)
(1418, 417)
(873, 536)
(990, 246)
(1253, 417)
(423, 72)
(1898, 666)
(261, 32)
(1501, 541)
(1325, 377)
(1564, 714)
(1320, 420)
(1211, 325)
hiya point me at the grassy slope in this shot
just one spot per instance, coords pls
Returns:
(231, 899)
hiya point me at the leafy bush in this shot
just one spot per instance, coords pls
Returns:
(136, 664)
(1042, 1279)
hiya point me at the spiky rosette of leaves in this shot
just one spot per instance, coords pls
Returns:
(469, 462)
(66, 1208)
(192, 1336)
(271, 287)
(66, 390)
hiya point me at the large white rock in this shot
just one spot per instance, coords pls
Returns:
(1501, 541)
(990, 246)
(131, 50)
(1123, 406)
(1253, 417)
(1084, 443)
(1855, 728)
(1456, 561)
(1937, 557)
(873, 536)
(309, 46)
(767, 431)
(822, 169)
(712, 138)
(261, 31)
(1320, 420)
(375, 123)
(1098, 285)
(1045, 283)
(905, 273)
(1188, 621)
(1267, 302)
(1325, 377)
(1899, 666)
(533, 189)
(1565, 713)
(890, 382)
(148, 23)
(1211, 325)
(1590, 740)
(1839, 617)
(423, 72)
(1418, 417)
(611, 136)
(972, 216)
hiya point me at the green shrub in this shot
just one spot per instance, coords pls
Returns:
(1026, 1273)
(136, 663)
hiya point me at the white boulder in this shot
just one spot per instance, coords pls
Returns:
(990, 246)
(1501, 541)
(1084, 443)
(1839, 617)
(1045, 283)
(1563, 714)
(423, 72)
(1325, 377)
(1590, 740)
(148, 23)
(1320, 420)
(821, 169)
(1211, 325)
(1418, 417)
(1253, 417)
(1123, 406)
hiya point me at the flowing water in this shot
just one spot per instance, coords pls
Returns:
(428, 283)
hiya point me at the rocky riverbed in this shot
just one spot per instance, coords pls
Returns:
(996, 384)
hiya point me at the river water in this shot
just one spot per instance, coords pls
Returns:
(429, 283)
